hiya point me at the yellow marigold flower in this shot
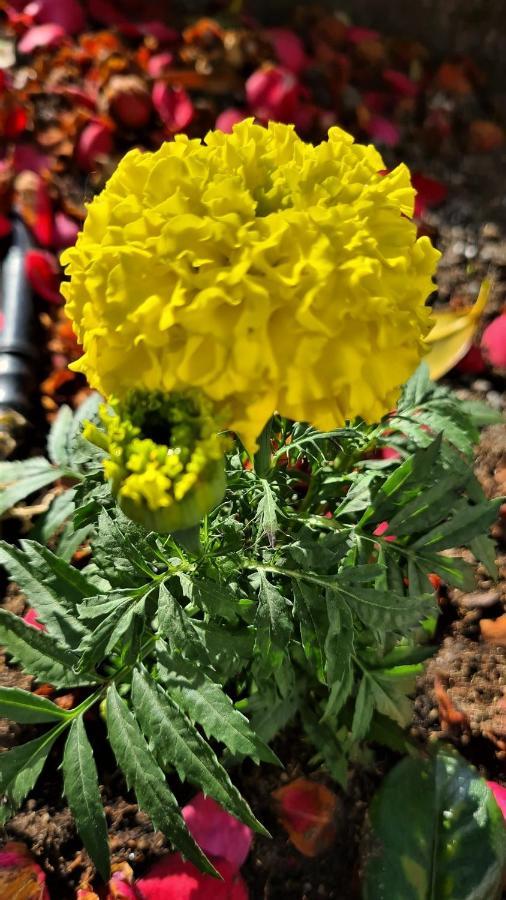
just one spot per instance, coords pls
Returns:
(269, 273)
(165, 463)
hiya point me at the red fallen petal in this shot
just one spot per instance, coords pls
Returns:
(400, 82)
(43, 273)
(173, 105)
(358, 35)
(160, 31)
(69, 14)
(30, 618)
(121, 886)
(174, 879)
(273, 93)
(499, 793)
(20, 876)
(216, 831)
(41, 36)
(228, 118)
(383, 131)
(380, 529)
(388, 453)
(435, 580)
(65, 231)
(16, 122)
(429, 192)
(493, 342)
(158, 63)
(95, 141)
(307, 810)
(473, 362)
(77, 95)
(5, 226)
(289, 48)
(27, 157)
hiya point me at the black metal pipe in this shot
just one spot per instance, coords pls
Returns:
(18, 345)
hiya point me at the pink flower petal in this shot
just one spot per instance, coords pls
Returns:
(383, 131)
(273, 93)
(401, 83)
(65, 231)
(380, 530)
(472, 363)
(499, 793)
(216, 831)
(493, 342)
(44, 275)
(174, 879)
(41, 36)
(29, 157)
(388, 453)
(21, 872)
(228, 118)
(158, 63)
(30, 618)
(358, 35)
(95, 142)
(429, 193)
(160, 31)
(67, 13)
(173, 106)
(289, 48)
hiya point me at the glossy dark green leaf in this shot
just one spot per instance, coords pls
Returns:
(436, 834)
(20, 769)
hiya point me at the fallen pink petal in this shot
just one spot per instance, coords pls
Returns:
(173, 878)
(217, 832)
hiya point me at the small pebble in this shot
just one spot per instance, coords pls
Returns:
(495, 399)
(481, 385)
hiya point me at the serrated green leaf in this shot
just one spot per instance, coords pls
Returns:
(452, 569)
(437, 834)
(59, 434)
(273, 621)
(61, 510)
(484, 549)
(83, 795)
(26, 707)
(338, 656)
(38, 653)
(177, 627)
(33, 569)
(176, 742)
(364, 708)
(28, 485)
(143, 774)
(389, 699)
(205, 702)
(468, 522)
(416, 388)
(20, 769)
(429, 508)
(118, 613)
(267, 514)
(310, 609)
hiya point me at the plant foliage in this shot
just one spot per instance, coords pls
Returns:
(309, 599)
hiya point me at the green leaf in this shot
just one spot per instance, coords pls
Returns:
(49, 584)
(28, 484)
(388, 696)
(59, 512)
(59, 434)
(273, 620)
(143, 774)
(117, 611)
(38, 653)
(364, 708)
(177, 627)
(176, 742)
(267, 514)
(468, 522)
(437, 834)
(20, 769)
(310, 609)
(484, 549)
(83, 795)
(416, 389)
(25, 707)
(338, 655)
(481, 413)
(206, 702)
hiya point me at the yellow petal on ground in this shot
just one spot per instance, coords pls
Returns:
(452, 334)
